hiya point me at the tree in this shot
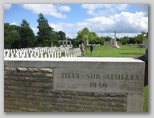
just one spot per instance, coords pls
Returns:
(11, 36)
(101, 41)
(132, 40)
(61, 35)
(83, 36)
(45, 31)
(107, 38)
(125, 40)
(93, 38)
(140, 38)
(26, 34)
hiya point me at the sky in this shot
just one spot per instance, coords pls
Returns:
(103, 19)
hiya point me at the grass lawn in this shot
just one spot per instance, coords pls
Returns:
(123, 51)
(145, 100)
(108, 51)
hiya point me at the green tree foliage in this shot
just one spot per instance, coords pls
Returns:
(140, 38)
(92, 37)
(55, 38)
(107, 38)
(75, 43)
(61, 35)
(26, 34)
(18, 36)
(125, 40)
(11, 36)
(45, 31)
(101, 40)
(85, 35)
(132, 40)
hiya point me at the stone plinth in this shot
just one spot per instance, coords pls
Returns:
(115, 45)
(74, 84)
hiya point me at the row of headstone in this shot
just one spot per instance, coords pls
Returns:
(39, 52)
(75, 52)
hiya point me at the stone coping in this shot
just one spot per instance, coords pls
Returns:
(78, 59)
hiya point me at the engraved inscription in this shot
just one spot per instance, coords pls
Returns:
(104, 77)
(71, 75)
(99, 76)
(100, 81)
(98, 85)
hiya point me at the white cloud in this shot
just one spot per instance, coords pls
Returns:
(100, 24)
(92, 6)
(68, 28)
(130, 23)
(119, 35)
(57, 27)
(125, 23)
(120, 6)
(13, 23)
(48, 9)
(7, 6)
(35, 30)
(64, 8)
(103, 9)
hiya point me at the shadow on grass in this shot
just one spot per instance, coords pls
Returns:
(131, 53)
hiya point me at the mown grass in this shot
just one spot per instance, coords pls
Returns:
(145, 100)
(123, 51)
(108, 51)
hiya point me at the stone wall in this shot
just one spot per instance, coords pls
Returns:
(29, 87)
